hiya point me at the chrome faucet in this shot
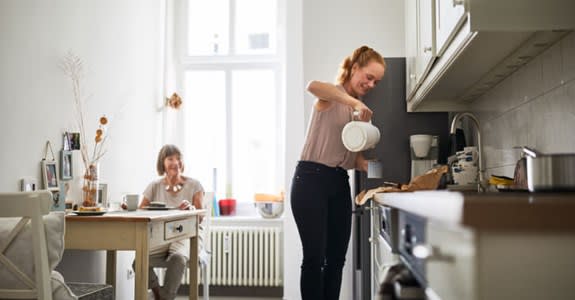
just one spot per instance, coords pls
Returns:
(456, 118)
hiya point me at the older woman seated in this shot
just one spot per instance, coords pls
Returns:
(175, 190)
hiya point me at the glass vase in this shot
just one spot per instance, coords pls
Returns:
(90, 186)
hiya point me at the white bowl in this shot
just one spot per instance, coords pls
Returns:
(269, 210)
(420, 143)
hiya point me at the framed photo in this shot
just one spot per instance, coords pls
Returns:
(50, 175)
(66, 142)
(102, 194)
(74, 138)
(66, 165)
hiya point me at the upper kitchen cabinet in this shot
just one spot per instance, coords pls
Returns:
(475, 45)
(420, 44)
(449, 15)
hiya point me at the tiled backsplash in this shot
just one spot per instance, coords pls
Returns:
(535, 107)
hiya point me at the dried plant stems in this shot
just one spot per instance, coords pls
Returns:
(73, 67)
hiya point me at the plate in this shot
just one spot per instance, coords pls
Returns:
(89, 213)
(158, 207)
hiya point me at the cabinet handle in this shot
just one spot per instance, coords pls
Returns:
(412, 76)
(427, 49)
(458, 2)
(180, 228)
(429, 252)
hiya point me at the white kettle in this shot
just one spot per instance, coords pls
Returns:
(359, 136)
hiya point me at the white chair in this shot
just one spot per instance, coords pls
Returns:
(27, 229)
(205, 251)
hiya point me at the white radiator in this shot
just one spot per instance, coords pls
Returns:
(246, 255)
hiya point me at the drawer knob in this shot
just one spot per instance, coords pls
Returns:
(180, 228)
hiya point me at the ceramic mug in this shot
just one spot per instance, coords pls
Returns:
(359, 136)
(131, 201)
(420, 143)
(374, 169)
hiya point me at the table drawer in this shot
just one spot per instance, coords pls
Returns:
(174, 229)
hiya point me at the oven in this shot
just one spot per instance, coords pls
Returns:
(412, 233)
(384, 241)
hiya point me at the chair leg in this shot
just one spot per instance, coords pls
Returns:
(206, 283)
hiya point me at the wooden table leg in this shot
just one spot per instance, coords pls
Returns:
(193, 268)
(111, 268)
(142, 263)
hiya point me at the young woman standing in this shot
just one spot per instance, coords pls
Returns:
(320, 193)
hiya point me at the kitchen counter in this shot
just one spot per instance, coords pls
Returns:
(486, 246)
(491, 211)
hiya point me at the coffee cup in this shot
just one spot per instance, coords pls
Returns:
(131, 201)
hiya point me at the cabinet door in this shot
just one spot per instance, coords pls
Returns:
(451, 265)
(449, 16)
(411, 41)
(426, 45)
(420, 42)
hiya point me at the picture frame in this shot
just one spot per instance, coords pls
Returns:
(66, 165)
(102, 194)
(50, 177)
(74, 139)
(66, 142)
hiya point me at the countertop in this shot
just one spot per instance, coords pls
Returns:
(490, 211)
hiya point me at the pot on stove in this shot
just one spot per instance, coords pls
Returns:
(550, 172)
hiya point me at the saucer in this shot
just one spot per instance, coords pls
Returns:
(158, 207)
(89, 213)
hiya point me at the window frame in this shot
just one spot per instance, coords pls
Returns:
(228, 63)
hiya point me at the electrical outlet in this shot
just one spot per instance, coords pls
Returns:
(130, 274)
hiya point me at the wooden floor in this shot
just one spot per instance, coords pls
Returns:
(229, 298)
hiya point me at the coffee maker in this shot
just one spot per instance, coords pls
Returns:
(424, 154)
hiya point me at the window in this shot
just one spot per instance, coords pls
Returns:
(231, 80)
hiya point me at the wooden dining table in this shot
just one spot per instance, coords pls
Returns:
(140, 231)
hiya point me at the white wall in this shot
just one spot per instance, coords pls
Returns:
(330, 31)
(333, 29)
(295, 130)
(118, 42)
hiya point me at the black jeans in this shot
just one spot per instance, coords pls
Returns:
(321, 205)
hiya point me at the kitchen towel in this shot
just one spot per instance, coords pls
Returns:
(428, 181)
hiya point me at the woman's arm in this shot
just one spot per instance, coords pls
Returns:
(328, 92)
(198, 200)
(145, 202)
(361, 163)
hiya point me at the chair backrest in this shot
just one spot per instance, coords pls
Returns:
(29, 207)
(208, 206)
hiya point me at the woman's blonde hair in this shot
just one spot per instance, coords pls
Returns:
(168, 150)
(360, 56)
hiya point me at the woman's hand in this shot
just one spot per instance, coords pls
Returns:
(186, 205)
(363, 112)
